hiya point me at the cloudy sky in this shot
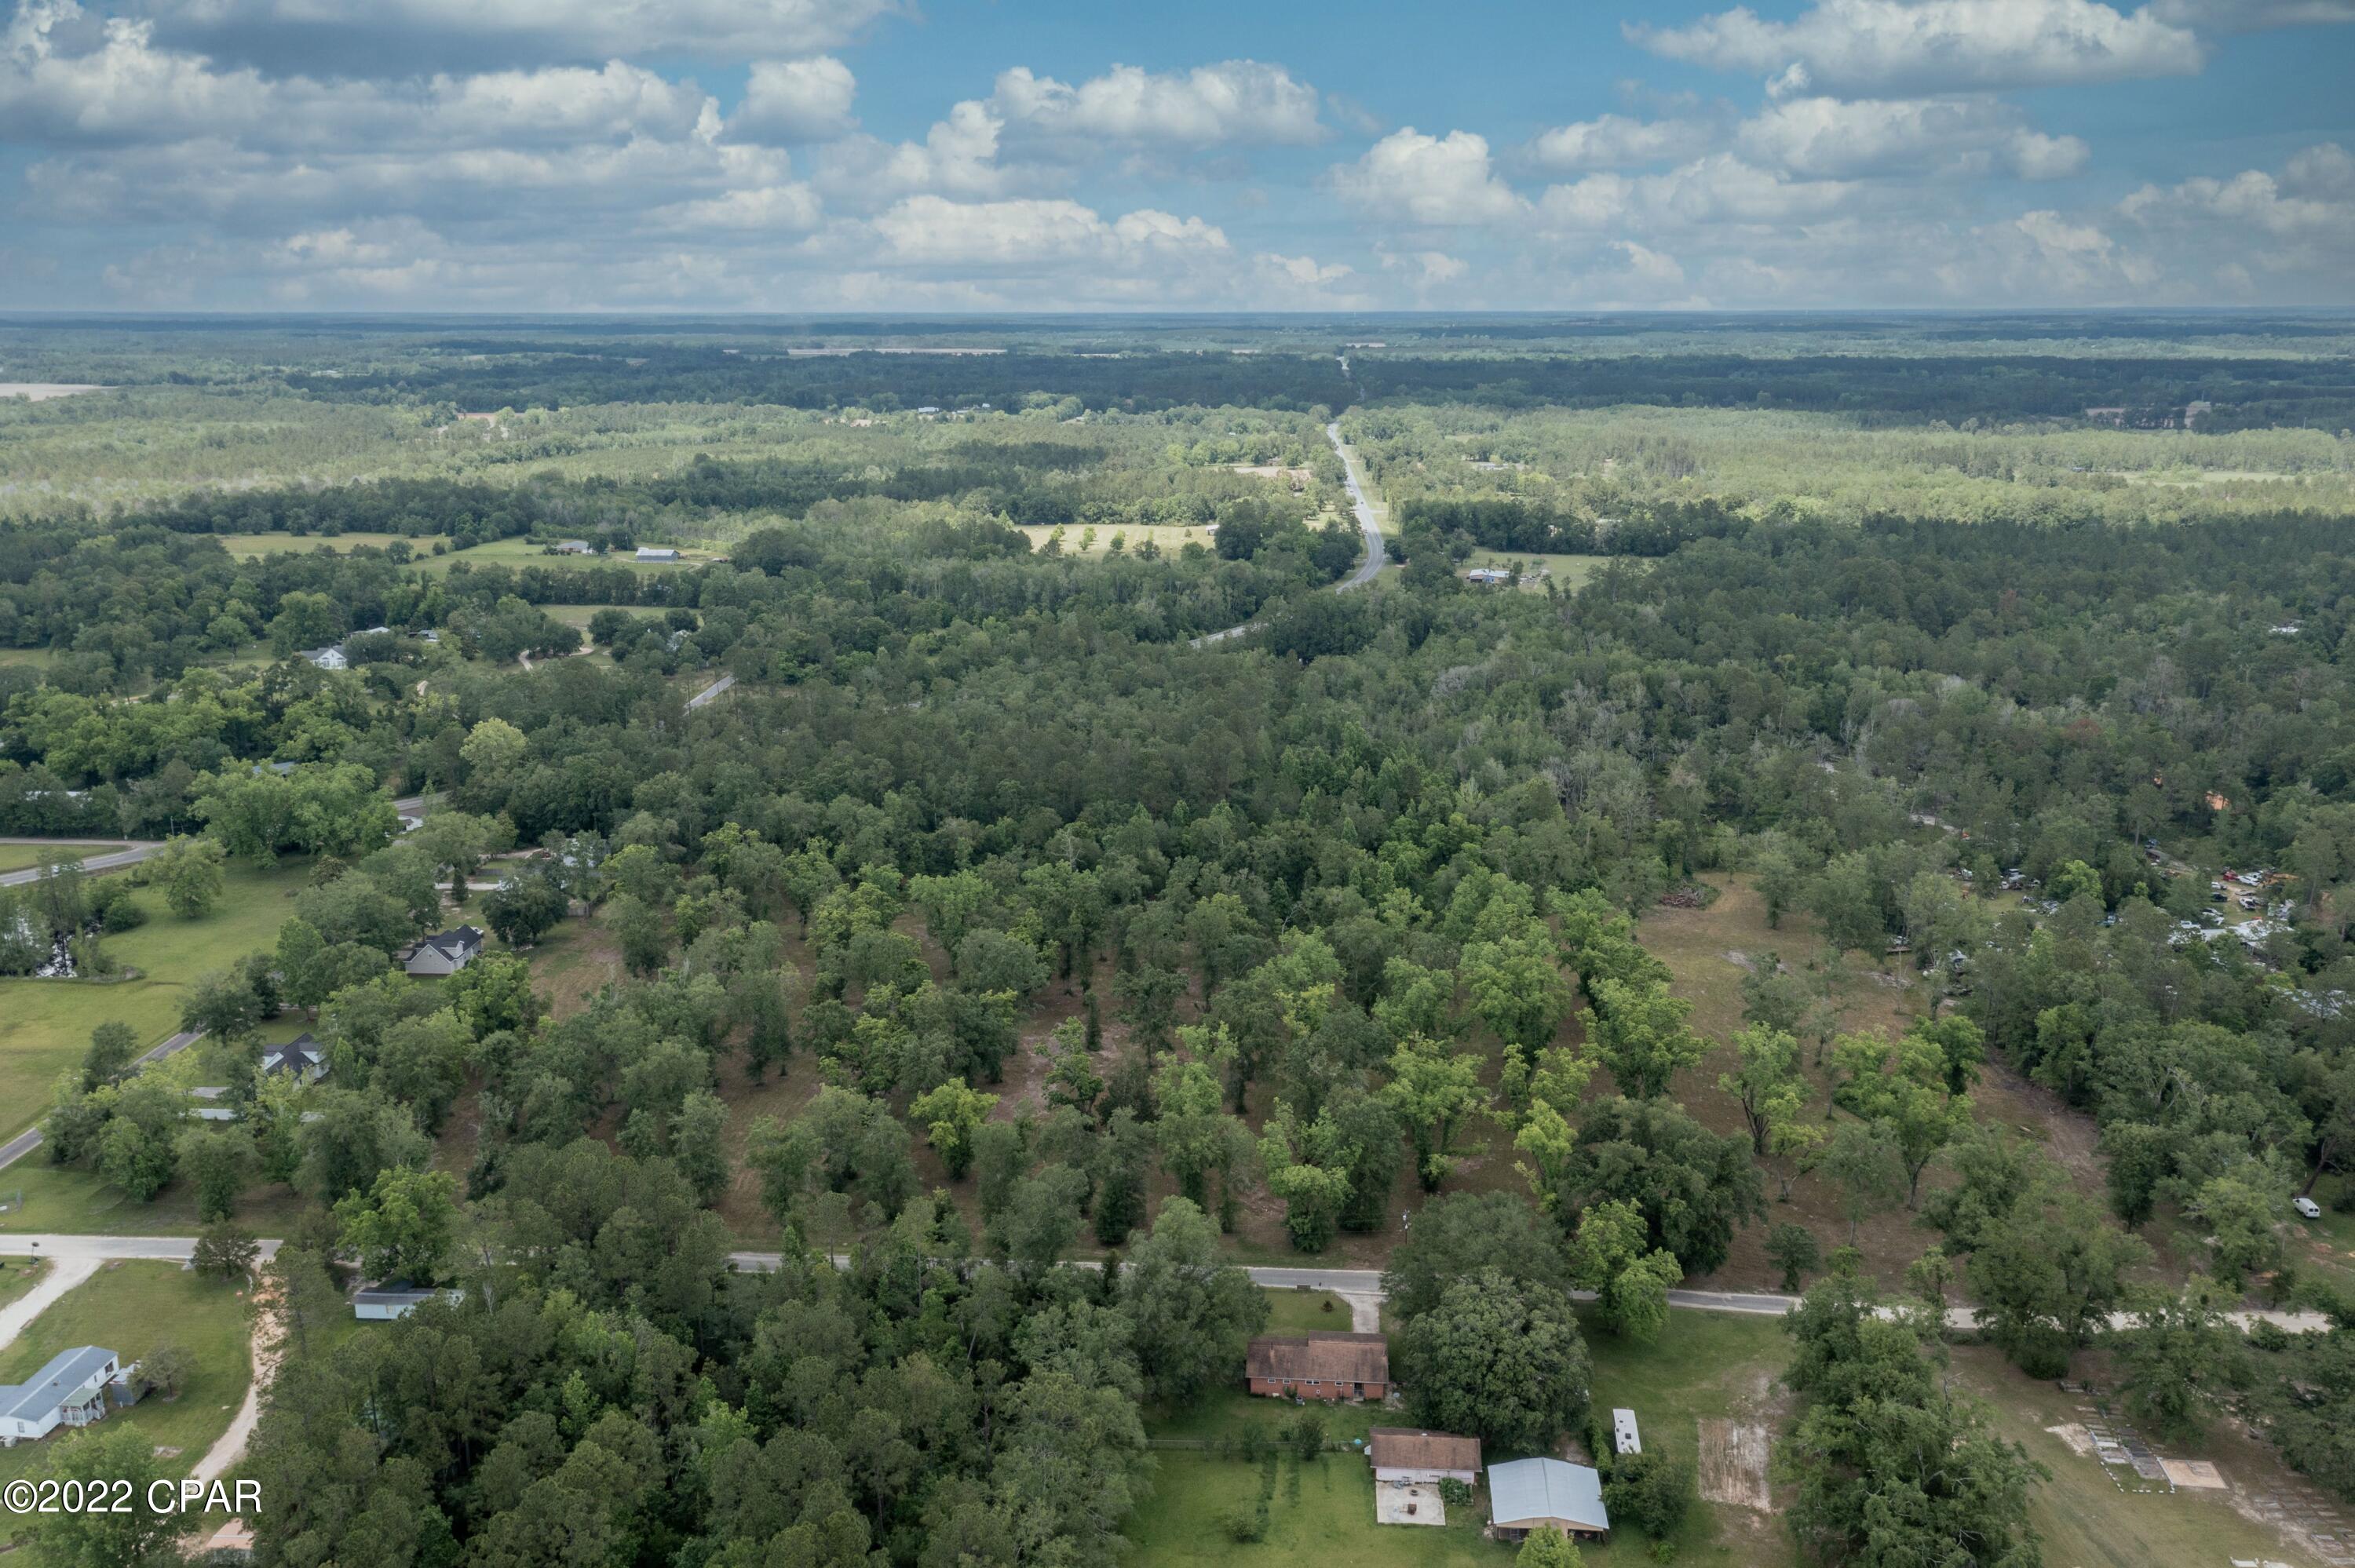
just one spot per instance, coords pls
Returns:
(974, 154)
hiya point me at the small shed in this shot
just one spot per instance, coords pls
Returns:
(1406, 1455)
(1546, 1494)
(1624, 1435)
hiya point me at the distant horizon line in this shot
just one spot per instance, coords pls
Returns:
(1536, 313)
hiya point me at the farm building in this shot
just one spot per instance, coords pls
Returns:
(1402, 1454)
(656, 553)
(573, 547)
(1319, 1366)
(443, 953)
(1546, 1494)
(72, 1390)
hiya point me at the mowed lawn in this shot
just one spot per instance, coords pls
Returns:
(1305, 1311)
(49, 1021)
(1568, 572)
(1171, 537)
(131, 1308)
(45, 1199)
(243, 544)
(513, 553)
(16, 857)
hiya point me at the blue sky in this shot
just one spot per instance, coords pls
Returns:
(866, 154)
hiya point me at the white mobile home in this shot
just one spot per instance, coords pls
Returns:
(72, 1391)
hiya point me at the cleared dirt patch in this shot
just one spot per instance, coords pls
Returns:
(1732, 1467)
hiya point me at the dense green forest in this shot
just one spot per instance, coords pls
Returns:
(994, 917)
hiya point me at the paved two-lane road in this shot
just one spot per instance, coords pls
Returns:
(1359, 507)
(124, 851)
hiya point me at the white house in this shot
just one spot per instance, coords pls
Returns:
(72, 1391)
(1624, 1435)
(444, 953)
(326, 658)
(1403, 1455)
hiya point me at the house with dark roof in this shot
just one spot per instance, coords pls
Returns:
(443, 953)
(1319, 1366)
(1546, 1494)
(395, 1298)
(1403, 1455)
(73, 1390)
(300, 1058)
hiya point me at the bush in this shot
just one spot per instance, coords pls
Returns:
(1307, 1433)
(1453, 1492)
(1652, 1492)
(1244, 1521)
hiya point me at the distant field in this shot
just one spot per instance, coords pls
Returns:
(49, 1021)
(40, 658)
(579, 614)
(1169, 535)
(285, 544)
(531, 553)
(1569, 571)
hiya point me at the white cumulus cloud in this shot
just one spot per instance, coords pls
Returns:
(1440, 181)
(1875, 48)
(1233, 102)
(787, 102)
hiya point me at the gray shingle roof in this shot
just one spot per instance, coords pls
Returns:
(1522, 1492)
(51, 1386)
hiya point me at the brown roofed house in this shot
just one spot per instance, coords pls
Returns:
(1320, 1366)
(1403, 1454)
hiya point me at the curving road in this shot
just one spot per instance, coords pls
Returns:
(1359, 507)
(126, 852)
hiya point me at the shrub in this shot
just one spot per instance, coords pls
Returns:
(1244, 1521)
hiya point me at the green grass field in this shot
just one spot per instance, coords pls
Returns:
(531, 553)
(1568, 572)
(131, 1308)
(16, 857)
(49, 1021)
(1331, 1519)
(1305, 1311)
(1171, 537)
(70, 1201)
(579, 614)
(282, 543)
